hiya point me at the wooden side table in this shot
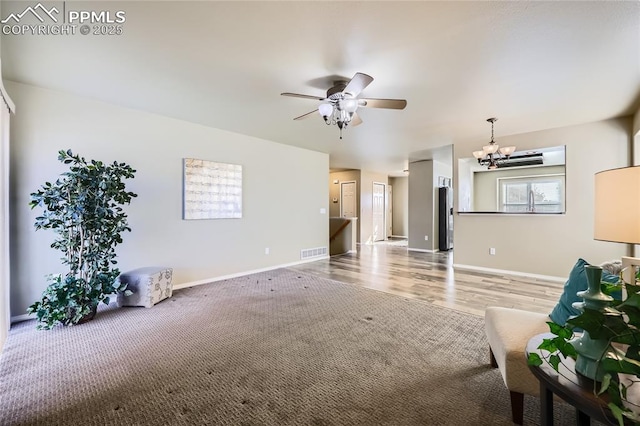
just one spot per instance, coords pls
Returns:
(575, 389)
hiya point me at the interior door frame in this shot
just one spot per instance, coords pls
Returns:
(389, 210)
(384, 207)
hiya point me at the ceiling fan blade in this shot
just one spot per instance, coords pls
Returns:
(355, 120)
(383, 103)
(357, 84)
(298, 95)
(306, 115)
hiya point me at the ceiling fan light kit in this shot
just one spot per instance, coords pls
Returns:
(341, 103)
(492, 155)
(339, 113)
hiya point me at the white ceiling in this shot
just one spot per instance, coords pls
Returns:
(534, 65)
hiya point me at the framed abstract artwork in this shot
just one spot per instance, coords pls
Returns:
(211, 190)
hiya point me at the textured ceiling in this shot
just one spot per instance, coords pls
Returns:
(535, 65)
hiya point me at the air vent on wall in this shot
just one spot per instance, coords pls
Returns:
(314, 252)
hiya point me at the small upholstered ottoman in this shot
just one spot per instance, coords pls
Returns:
(149, 285)
(508, 331)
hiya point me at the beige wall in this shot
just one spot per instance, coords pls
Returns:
(421, 205)
(635, 161)
(400, 205)
(464, 199)
(334, 192)
(284, 190)
(549, 245)
(485, 184)
(366, 203)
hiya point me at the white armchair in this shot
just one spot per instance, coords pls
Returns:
(508, 331)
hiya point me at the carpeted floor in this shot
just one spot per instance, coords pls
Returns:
(276, 348)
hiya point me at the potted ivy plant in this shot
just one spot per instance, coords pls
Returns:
(84, 209)
(619, 326)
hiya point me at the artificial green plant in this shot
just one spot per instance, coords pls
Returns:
(84, 209)
(619, 325)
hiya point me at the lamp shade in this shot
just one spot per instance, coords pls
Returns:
(492, 148)
(325, 110)
(349, 105)
(617, 205)
(507, 150)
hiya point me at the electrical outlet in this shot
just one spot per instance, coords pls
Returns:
(492, 251)
(323, 210)
(266, 250)
(426, 238)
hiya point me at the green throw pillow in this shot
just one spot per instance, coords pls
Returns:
(577, 282)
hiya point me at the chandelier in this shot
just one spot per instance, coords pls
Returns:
(492, 155)
(339, 112)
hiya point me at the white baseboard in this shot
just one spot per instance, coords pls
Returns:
(242, 274)
(421, 250)
(20, 318)
(398, 236)
(507, 272)
(26, 317)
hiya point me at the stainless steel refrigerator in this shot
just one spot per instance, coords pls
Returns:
(445, 218)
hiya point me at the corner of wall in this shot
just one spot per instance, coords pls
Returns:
(635, 139)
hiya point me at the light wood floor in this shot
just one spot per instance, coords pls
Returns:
(431, 277)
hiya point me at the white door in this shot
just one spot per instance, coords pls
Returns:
(378, 211)
(348, 199)
(389, 210)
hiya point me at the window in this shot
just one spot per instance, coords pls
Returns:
(531, 194)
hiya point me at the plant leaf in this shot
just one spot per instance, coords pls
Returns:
(566, 348)
(548, 345)
(624, 366)
(560, 330)
(617, 413)
(606, 381)
(534, 359)
(554, 360)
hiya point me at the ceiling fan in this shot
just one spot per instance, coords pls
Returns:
(340, 105)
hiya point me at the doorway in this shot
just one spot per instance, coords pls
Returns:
(378, 210)
(348, 203)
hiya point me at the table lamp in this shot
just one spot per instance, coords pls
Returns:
(617, 211)
(617, 219)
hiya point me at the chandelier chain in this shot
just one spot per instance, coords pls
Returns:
(492, 132)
